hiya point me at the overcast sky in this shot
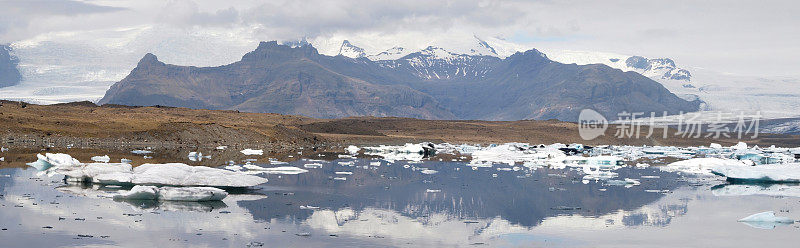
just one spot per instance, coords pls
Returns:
(741, 37)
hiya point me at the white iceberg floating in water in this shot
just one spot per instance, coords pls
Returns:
(787, 173)
(313, 165)
(409, 151)
(172, 174)
(785, 190)
(352, 149)
(701, 166)
(140, 192)
(178, 174)
(141, 152)
(284, 170)
(428, 172)
(766, 220)
(252, 152)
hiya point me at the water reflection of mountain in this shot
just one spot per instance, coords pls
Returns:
(464, 193)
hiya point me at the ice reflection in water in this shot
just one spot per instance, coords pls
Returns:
(396, 205)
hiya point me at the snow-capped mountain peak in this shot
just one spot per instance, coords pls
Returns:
(482, 45)
(433, 52)
(349, 50)
(390, 54)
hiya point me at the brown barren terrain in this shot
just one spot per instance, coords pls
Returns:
(87, 125)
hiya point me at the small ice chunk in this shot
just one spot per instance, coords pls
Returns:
(715, 146)
(353, 149)
(252, 152)
(125, 160)
(428, 171)
(103, 159)
(222, 147)
(740, 146)
(313, 165)
(344, 173)
(141, 152)
(766, 220)
(195, 156)
(285, 170)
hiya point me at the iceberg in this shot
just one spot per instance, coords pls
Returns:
(740, 146)
(313, 165)
(409, 151)
(783, 173)
(285, 170)
(141, 152)
(352, 149)
(87, 172)
(191, 194)
(140, 192)
(252, 152)
(172, 174)
(702, 166)
(428, 171)
(783, 190)
(766, 220)
(178, 174)
(103, 159)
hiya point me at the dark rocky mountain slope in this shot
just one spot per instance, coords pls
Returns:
(298, 80)
(9, 74)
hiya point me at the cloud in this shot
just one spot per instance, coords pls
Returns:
(18, 18)
(740, 36)
(188, 13)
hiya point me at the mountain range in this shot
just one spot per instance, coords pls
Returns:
(432, 83)
(9, 73)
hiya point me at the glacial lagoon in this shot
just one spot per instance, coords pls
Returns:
(443, 200)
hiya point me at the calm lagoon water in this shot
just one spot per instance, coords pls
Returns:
(396, 205)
